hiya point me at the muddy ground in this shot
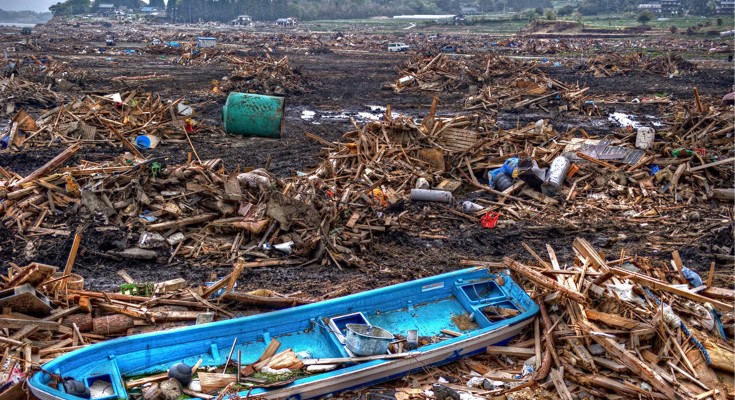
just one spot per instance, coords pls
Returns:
(349, 82)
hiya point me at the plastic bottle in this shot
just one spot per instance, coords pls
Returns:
(470, 207)
(681, 153)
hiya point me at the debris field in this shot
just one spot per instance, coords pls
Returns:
(602, 180)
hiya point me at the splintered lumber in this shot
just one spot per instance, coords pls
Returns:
(162, 226)
(598, 380)
(557, 377)
(586, 249)
(148, 379)
(72, 257)
(269, 352)
(614, 320)
(544, 281)
(211, 381)
(659, 285)
(272, 301)
(55, 162)
(637, 366)
(722, 359)
(284, 359)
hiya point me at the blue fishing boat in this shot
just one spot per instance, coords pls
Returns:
(365, 338)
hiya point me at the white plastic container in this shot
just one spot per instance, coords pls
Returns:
(440, 196)
(644, 138)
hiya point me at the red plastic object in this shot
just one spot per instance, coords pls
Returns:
(490, 219)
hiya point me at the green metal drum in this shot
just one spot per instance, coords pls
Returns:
(251, 114)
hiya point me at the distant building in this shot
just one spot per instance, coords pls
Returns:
(148, 10)
(725, 7)
(242, 20)
(205, 42)
(469, 10)
(670, 6)
(286, 21)
(652, 7)
(106, 9)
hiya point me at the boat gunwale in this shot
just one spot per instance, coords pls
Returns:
(38, 383)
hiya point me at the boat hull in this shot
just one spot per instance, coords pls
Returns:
(465, 302)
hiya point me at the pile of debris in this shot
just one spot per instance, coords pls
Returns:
(433, 74)
(176, 210)
(528, 90)
(117, 119)
(47, 312)
(612, 64)
(330, 214)
(262, 75)
(628, 327)
(16, 93)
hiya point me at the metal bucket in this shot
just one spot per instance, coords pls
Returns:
(367, 340)
(253, 115)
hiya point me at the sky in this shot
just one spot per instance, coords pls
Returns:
(33, 5)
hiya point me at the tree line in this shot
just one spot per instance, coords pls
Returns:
(24, 17)
(268, 10)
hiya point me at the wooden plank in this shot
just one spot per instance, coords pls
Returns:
(511, 351)
(614, 320)
(72, 257)
(610, 364)
(125, 276)
(713, 164)
(148, 379)
(178, 223)
(719, 293)
(544, 281)
(676, 260)
(557, 377)
(326, 361)
(17, 323)
(656, 284)
(711, 275)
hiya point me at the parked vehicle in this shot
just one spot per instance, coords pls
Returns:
(352, 334)
(397, 47)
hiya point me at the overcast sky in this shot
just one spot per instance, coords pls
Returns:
(33, 5)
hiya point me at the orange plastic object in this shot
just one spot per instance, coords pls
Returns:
(489, 219)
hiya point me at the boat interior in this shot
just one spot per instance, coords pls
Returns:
(467, 306)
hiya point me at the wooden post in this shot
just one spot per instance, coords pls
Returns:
(72, 257)
(698, 100)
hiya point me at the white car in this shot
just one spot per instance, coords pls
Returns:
(397, 47)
